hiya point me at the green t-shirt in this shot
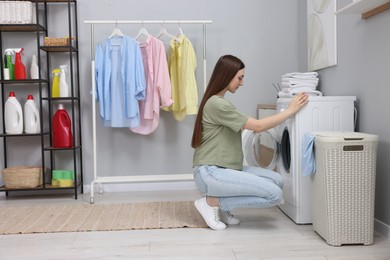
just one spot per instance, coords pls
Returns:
(221, 138)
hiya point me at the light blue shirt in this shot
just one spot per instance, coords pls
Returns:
(120, 81)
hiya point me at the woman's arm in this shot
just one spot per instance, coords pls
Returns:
(259, 125)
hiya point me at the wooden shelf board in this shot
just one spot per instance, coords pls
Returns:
(366, 8)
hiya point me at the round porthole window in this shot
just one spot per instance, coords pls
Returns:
(285, 150)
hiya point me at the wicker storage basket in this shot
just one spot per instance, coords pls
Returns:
(57, 41)
(17, 12)
(22, 177)
(344, 187)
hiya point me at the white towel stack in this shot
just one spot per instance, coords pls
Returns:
(297, 82)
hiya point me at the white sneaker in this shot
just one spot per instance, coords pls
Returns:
(209, 214)
(228, 218)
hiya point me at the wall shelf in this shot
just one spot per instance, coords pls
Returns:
(367, 8)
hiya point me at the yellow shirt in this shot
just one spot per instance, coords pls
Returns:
(182, 65)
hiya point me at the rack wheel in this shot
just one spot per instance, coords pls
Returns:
(100, 188)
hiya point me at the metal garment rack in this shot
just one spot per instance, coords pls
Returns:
(135, 178)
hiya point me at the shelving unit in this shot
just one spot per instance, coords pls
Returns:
(367, 8)
(47, 104)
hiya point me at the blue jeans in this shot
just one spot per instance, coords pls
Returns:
(253, 187)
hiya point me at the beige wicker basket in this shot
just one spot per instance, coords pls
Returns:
(344, 187)
(19, 177)
(57, 41)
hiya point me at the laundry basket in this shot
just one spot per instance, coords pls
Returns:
(344, 187)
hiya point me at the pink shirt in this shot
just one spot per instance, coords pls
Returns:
(158, 85)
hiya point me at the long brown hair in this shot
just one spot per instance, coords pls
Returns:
(224, 71)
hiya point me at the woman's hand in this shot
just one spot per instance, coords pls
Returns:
(260, 125)
(297, 103)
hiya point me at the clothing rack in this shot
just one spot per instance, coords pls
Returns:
(135, 178)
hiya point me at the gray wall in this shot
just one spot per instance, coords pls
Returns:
(259, 32)
(362, 71)
(270, 37)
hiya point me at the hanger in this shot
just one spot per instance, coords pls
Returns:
(180, 31)
(163, 32)
(141, 32)
(116, 31)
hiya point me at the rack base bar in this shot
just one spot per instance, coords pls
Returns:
(137, 178)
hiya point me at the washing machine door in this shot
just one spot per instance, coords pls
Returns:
(285, 149)
(260, 149)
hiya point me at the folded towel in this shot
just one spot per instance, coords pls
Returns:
(292, 93)
(300, 75)
(302, 84)
(298, 89)
(299, 81)
(308, 162)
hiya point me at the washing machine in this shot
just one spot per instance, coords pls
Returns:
(280, 148)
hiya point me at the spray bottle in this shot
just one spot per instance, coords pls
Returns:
(9, 64)
(64, 89)
(20, 69)
(55, 88)
(6, 69)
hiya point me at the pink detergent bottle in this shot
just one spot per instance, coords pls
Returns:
(62, 129)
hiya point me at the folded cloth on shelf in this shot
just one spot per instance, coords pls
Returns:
(294, 92)
(308, 162)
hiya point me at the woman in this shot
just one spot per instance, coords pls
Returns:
(218, 157)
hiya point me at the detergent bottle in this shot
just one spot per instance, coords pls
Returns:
(13, 115)
(9, 64)
(64, 88)
(20, 69)
(32, 124)
(62, 129)
(55, 88)
(34, 69)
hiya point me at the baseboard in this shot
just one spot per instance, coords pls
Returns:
(382, 228)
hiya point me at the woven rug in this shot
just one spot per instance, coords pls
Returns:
(99, 217)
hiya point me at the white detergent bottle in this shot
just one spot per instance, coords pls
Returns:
(64, 88)
(13, 115)
(34, 69)
(32, 124)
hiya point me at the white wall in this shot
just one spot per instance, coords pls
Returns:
(362, 71)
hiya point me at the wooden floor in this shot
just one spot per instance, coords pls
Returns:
(263, 234)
